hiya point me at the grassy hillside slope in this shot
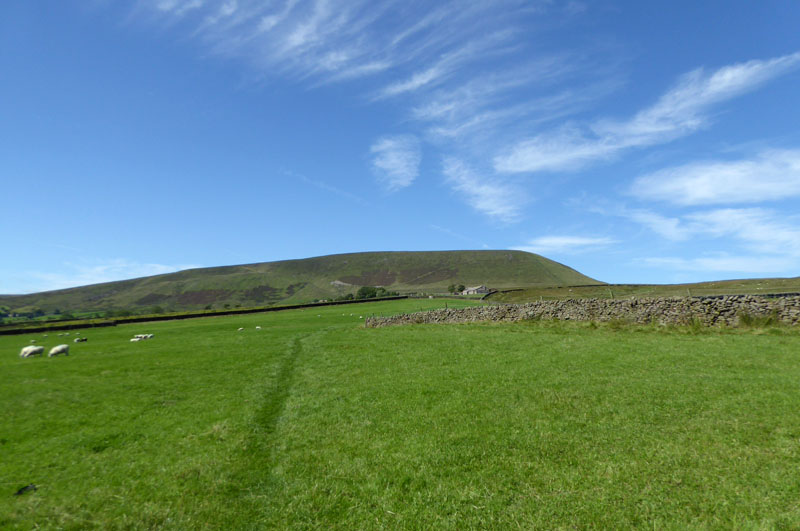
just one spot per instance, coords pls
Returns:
(292, 281)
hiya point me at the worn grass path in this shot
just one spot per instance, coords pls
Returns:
(315, 422)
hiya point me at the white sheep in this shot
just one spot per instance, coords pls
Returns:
(30, 351)
(80, 340)
(58, 349)
(240, 329)
(134, 339)
(258, 328)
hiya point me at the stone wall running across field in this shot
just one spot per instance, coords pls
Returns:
(709, 311)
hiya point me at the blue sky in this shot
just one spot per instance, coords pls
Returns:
(638, 142)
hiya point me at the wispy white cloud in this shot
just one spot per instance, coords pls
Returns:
(177, 7)
(773, 174)
(331, 42)
(671, 228)
(447, 64)
(419, 79)
(227, 9)
(565, 244)
(451, 66)
(489, 196)
(756, 229)
(680, 111)
(483, 103)
(396, 160)
(760, 230)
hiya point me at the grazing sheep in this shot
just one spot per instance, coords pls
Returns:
(59, 349)
(258, 328)
(81, 340)
(30, 351)
(133, 339)
(142, 337)
(240, 329)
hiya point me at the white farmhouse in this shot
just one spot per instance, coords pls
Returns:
(475, 290)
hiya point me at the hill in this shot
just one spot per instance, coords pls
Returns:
(297, 281)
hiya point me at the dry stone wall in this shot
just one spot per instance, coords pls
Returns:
(709, 311)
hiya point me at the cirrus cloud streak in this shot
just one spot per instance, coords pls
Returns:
(565, 244)
(680, 111)
(772, 175)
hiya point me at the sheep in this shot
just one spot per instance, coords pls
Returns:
(59, 349)
(30, 351)
(142, 337)
(81, 340)
(133, 339)
(240, 329)
(258, 328)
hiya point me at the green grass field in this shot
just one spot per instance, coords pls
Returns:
(316, 422)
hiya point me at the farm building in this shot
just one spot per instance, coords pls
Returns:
(475, 290)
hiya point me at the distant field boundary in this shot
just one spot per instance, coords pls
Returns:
(76, 325)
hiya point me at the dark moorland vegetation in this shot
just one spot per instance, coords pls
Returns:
(313, 421)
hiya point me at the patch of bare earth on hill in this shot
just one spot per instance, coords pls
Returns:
(372, 278)
(206, 296)
(426, 276)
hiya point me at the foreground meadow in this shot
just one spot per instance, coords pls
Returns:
(313, 421)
